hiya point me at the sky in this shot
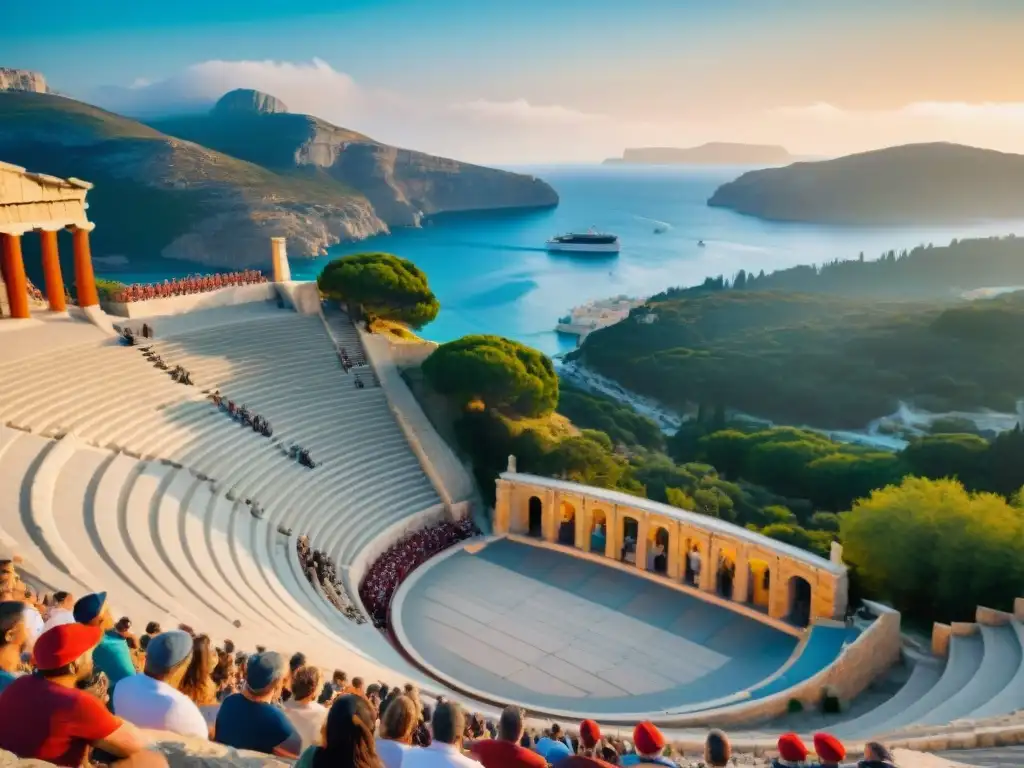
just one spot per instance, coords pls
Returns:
(545, 81)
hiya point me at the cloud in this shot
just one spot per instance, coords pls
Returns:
(520, 130)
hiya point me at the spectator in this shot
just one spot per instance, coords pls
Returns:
(876, 756)
(591, 752)
(421, 736)
(229, 646)
(649, 744)
(61, 610)
(45, 717)
(445, 750)
(396, 729)
(348, 738)
(197, 684)
(829, 749)
(153, 629)
(357, 688)
(13, 641)
(154, 699)
(303, 710)
(792, 751)
(224, 675)
(505, 751)
(249, 720)
(717, 749)
(34, 623)
(553, 746)
(111, 656)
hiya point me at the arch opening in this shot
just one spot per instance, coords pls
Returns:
(599, 532)
(694, 562)
(799, 612)
(630, 530)
(657, 550)
(536, 520)
(725, 575)
(567, 524)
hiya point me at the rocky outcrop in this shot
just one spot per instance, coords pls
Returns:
(247, 101)
(22, 80)
(714, 153)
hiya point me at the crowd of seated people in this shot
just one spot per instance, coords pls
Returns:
(389, 570)
(241, 414)
(129, 337)
(320, 569)
(76, 687)
(187, 285)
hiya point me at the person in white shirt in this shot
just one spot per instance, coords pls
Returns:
(302, 709)
(694, 558)
(61, 610)
(152, 699)
(396, 728)
(445, 751)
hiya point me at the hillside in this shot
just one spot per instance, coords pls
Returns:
(714, 153)
(159, 196)
(821, 360)
(912, 184)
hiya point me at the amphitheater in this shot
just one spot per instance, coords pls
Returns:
(114, 477)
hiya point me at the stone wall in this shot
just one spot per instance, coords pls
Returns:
(179, 305)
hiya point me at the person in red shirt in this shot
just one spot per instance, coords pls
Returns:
(504, 751)
(45, 717)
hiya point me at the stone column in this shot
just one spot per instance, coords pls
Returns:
(51, 271)
(741, 583)
(550, 517)
(611, 533)
(708, 565)
(642, 531)
(14, 276)
(279, 257)
(583, 527)
(85, 280)
(503, 508)
(676, 567)
(778, 592)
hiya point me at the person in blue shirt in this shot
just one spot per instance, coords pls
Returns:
(649, 744)
(555, 746)
(251, 719)
(13, 640)
(111, 656)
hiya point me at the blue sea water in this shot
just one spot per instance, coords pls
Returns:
(492, 274)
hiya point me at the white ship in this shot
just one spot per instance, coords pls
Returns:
(586, 242)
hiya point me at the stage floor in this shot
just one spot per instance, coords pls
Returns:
(556, 632)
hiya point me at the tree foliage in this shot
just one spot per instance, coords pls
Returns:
(382, 284)
(499, 372)
(935, 550)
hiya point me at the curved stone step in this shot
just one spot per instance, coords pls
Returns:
(925, 675)
(1011, 698)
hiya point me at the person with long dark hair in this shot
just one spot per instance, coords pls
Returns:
(347, 737)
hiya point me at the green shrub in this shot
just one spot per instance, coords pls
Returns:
(794, 706)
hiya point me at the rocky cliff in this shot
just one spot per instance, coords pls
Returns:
(249, 102)
(714, 153)
(911, 184)
(22, 80)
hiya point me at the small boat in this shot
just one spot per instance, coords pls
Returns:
(585, 242)
(700, 243)
(660, 230)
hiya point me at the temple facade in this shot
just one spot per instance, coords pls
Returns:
(40, 205)
(691, 550)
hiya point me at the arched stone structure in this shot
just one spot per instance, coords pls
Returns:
(35, 202)
(535, 521)
(764, 568)
(799, 599)
(567, 524)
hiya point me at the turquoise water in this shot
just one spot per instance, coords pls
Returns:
(492, 275)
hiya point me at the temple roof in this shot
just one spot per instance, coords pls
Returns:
(38, 201)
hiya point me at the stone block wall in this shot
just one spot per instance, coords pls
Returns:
(940, 640)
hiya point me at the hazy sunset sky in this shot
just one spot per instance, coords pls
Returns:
(524, 81)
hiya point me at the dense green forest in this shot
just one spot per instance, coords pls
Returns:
(927, 271)
(817, 359)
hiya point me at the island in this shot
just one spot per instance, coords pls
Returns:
(211, 188)
(713, 153)
(910, 184)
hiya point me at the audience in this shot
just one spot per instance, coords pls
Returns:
(46, 717)
(792, 751)
(13, 641)
(320, 569)
(505, 751)
(829, 749)
(306, 714)
(717, 749)
(399, 720)
(250, 719)
(592, 748)
(390, 569)
(155, 699)
(111, 655)
(554, 746)
(197, 684)
(445, 750)
(347, 738)
(876, 756)
(187, 285)
(61, 610)
(649, 744)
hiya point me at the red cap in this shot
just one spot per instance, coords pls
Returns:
(590, 734)
(61, 645)
(647, 738)
(792, 748)
(828, 748)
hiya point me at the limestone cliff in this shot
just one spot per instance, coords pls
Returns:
(22, 80)
(249, 101)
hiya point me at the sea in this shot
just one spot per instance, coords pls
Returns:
(492, 275)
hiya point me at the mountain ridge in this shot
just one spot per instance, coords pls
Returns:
(710, 153)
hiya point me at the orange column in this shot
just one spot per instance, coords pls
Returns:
(51, 271)
(85, 280)
(14, 275)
